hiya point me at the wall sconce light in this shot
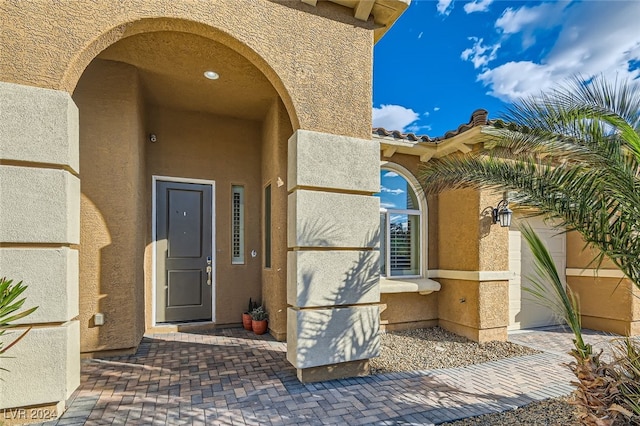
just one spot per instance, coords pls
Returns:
(502, 213)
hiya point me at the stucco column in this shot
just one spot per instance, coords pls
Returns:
(473, 266)
(333, 258)
(39, 226)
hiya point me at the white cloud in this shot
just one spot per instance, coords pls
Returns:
(595, 39)
(420, 35)
(480, 55)
(526, 20)
(387, 205)
(513, 80)
(445, 7)
(394, 117)
(390, 174)
(477, 6)
(397, 191)
(436, 108)
(513, 21)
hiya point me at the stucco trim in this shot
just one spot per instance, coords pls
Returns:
(594, 273)
(423, 286)
(154, 180)
(471, 275)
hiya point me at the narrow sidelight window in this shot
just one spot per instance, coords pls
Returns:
(237, 225)
(267, 226)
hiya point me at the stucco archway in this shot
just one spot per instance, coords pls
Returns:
(231, 132)
(124, 30)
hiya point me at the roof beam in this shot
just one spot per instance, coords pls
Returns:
(464, 148)
(427, 156)
(389, 151)
(363, 9)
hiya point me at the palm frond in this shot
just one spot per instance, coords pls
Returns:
(574, 154)
(561, 300)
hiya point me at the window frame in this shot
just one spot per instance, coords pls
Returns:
(267, 224)
(421, 212)
(238, 189)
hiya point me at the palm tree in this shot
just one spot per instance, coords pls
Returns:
(607, 393)
(572, 153)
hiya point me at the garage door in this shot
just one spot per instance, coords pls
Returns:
(524, 310)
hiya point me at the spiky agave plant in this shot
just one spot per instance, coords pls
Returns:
(601, 387)
(9, 305)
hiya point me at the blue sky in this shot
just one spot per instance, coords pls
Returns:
(393, 191)
(444, 59)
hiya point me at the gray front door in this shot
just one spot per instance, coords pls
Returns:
(183, 250)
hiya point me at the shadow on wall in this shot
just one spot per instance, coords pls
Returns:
(317, 234)
(337, 331)
(485, 221)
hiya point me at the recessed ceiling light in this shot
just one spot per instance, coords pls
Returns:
(211, 75)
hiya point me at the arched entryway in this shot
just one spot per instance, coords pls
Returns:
(317, 61)
(174, 165)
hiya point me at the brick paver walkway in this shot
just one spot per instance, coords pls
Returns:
(231, 376)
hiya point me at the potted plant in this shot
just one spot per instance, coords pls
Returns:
(246, 316)
(259, 320)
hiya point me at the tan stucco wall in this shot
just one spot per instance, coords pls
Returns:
(459, 223)
(227, 151)
(50, 44)
(471, 242)
(581, 256)
(475, 309)
(409, 162)
(493, 243)
(607, 303)
(112, 221)
(276, 130)
(408, 310)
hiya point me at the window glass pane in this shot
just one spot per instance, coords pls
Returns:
(237, 224)
(404, 244)
(396, 193)
(267, 227)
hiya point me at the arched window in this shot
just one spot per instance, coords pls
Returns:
(401, 225)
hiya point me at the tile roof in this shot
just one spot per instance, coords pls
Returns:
(479, 117)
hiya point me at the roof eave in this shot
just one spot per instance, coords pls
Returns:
(385, 12)
(462, 142)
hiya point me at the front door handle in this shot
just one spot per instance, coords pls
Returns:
(209, 270)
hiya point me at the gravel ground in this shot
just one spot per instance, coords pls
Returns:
(556, 412)
(430, 348)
